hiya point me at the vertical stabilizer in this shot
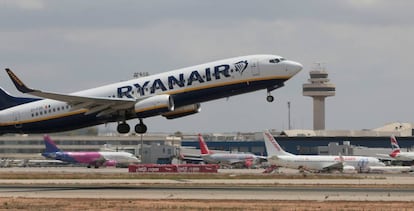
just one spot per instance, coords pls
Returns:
(203, 146)
(50, 145)
(395, 147)
(272, 147)
(394, 143)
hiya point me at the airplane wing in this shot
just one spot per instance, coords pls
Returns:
(337, 165)
(191, 158)
(93, 104)
(98, 162)
(262, 158)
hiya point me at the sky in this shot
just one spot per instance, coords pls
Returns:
(365, 45)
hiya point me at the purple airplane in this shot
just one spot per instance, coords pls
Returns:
(95, 159)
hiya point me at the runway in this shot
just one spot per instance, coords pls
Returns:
(223, 191)
(394, 187)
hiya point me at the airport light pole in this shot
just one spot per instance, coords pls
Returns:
(288, 104)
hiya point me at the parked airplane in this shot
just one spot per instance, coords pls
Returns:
(396, 151)
(277, 156)
(171, 94)
(95, 159)
(245, 159)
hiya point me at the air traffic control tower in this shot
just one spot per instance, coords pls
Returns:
(319, 88)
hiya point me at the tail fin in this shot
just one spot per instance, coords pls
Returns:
(395, 147)
(8, 101)
(50, 145)
(272, 147)
(394, 143)
(203, 146)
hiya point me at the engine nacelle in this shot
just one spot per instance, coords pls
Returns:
(110, 163)
(154, 105)
(349, 169)
(183, 111)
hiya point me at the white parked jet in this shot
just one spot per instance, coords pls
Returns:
(277, 156)
(245, 159)
(171, 94)
(397, 154)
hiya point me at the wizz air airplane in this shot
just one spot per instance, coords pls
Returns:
(95, 159)
(396, 151)
(277, 156)
(233, 159)
(171, 94)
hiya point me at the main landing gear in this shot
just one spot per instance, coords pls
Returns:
(140, 128)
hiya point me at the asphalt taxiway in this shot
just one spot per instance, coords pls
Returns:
(221, 192)
(392, 187)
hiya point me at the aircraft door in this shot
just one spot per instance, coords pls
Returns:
(17, 123)
(255, 68)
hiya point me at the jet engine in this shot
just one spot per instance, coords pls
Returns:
(183, 111)
(154, 105)
(110, 163)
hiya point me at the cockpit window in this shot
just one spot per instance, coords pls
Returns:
(274, 61)
(282, 59)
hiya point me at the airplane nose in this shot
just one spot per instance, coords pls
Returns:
(294, 67)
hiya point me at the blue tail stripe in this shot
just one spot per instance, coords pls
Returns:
(8, 101)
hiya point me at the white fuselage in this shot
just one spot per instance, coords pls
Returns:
(120, 157)
(230, 158)
(186, 86)
(323, 162)
(404, 156)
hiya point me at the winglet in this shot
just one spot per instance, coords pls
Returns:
(18, 83)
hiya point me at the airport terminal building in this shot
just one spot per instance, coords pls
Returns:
(163, 148)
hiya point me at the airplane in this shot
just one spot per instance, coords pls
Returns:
(95, 159)
(233, 159)
(321, 163)
(172, 94)
(396, 151)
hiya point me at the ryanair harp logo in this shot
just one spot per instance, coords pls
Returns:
(241, 66)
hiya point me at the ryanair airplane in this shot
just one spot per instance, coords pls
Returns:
(171, 94)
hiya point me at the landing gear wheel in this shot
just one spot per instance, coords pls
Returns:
(140, 128)
(123, 128)
(270, 98)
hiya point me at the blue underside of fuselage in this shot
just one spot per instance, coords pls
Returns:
(181, 99)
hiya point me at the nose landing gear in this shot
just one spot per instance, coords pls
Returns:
(270, 98)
